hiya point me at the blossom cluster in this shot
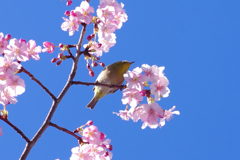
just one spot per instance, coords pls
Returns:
(110, 17)
(81, 14)
(94, 145)
(12, 52)
(147, 81)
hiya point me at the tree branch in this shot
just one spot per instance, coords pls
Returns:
(70, 53)
(55, 103)
(98, 84)
(65, 130)
(20, 132)
(39, 83)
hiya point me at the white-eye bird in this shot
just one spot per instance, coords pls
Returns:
(113, 75)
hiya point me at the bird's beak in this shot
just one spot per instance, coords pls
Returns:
(132, 62)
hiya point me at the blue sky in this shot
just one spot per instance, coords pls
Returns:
(197, 42)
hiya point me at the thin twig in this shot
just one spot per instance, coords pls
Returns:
(19, 131)
(56, 102)
(98, 84)
(65, 130)
(70, 53)
(39, 83)
(78, 47)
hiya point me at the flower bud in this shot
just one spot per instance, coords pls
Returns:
(101, 64)
(8, 37)
(109, 146)
(94, 64)
(90, 37)
(91, 73)
(67, 13)
(69, 2)
(72, 13)
(54, 60)
(88, 66)
(22, 41)
(89, 123)
(61, 45)
(58, 63)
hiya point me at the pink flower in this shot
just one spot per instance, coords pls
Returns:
(151, 114)
(107, 40)
(8, 67)
(81, 153)
(168, 115)
(90, 152)
(48, 47)
(112, 13)
(17, 49)
(83, 12)
(33, 50)
(96, 146)
(71, 25)
(159, 88)
(151, 72)
(131, 96)
(3, 43)
(92, 135)
(111, 17)
(6, 97)
(15, 85)
(135, 79)
(95, 48)
(123, 114)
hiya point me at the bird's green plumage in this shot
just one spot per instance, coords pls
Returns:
(113, 75)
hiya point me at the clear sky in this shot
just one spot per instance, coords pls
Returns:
(197, 42)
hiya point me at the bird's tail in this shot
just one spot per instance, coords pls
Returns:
(93, 102)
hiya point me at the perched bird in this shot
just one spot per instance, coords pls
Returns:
(113, 75)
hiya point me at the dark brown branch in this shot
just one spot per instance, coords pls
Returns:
(70, 53)
(98, 84)
(19, 131)
(39, 83)
(65, 130)
(56, 102)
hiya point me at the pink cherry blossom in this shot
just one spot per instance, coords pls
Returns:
(150, 72)
(17, 50)
(90, 152)
(33, 50)
(71, 25)
(112, 13)
(15, 85)
(3, 43)
(151, 114)
(83, 12)
(81, 153)
(132, 97)
(111, 17)
(168, 114)
(95, 48)
(48, 47)
(135, 79)
(6, 96)
(123, 114)
(159, 88)
(92, 135)
(107, 40)
(95, 146)
(7, 66)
